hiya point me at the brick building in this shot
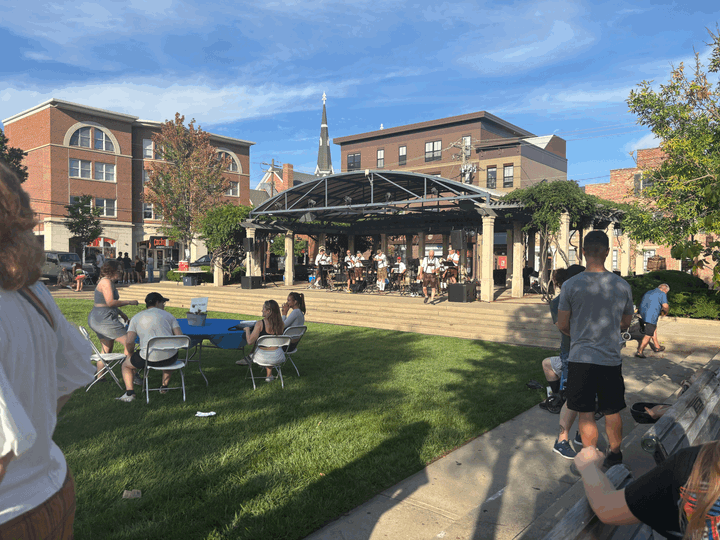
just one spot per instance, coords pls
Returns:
(625, 186)
(477, 148)
(75, 150)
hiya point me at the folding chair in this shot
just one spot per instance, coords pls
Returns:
(165, 343)
(296, 333)
(109, 359)
(88, 279)
(273, 359)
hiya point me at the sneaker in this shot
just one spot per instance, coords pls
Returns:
(126, 398)
(578, 439)
(271, 378)
(611, 459)
(426, 300)
(564, 449)
(241, 362)
(137, 381)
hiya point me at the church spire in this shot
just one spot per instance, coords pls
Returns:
(324, 162)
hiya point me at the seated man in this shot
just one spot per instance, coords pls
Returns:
(153, 322)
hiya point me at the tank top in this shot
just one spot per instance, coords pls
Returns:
(100, 298)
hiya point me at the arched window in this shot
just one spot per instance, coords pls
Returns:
(92, 137)
(81, 137)
(232, 164)
(102, 141)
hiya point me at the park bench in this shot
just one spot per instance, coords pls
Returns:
(692, 420)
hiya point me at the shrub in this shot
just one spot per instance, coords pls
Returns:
(689, 296)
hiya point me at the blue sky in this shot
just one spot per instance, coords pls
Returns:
(257, 71)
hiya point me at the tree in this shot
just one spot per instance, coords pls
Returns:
(277, 247)
(188, 183)
(223, 235)
(684, 190)
(13, 158)
(82, 221)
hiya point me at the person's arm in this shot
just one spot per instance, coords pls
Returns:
(608, 503)
(177, 331)
(131, 337)
(291, 319)
(665, 309)
(625, 321)
(563, 322)
(253, 336)
(106, 290)
(7, 458)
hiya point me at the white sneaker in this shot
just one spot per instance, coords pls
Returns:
(271, 378)
(126, 398)
(241, 362)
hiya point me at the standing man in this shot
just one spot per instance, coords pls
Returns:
(127, 268)
(428, 268)
(349, 268)
(99, 260)
(653, 304)
(382, 266)
(150, 267)
(594, 307)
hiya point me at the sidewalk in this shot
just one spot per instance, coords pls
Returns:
(508, 484)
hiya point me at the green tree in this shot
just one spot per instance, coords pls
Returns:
(188, 182)
(682, 197)
(82, 221)
(277, 247)
(13, 158)
(223, 235)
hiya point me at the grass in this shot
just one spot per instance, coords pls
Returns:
(371, 408)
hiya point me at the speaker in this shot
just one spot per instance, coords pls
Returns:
(458, 239)
(251, 282)
(461, 292)
(248, 244)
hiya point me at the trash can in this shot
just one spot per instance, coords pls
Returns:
(189, 280)
(164, 269)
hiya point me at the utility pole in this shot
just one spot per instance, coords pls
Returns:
(466, 169)
(272, 173)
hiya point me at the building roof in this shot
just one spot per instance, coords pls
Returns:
(441, 122)
(258, 196)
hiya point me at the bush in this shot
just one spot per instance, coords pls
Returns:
(689, 295)
(205, 276)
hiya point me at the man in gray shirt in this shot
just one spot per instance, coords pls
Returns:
(594, 307)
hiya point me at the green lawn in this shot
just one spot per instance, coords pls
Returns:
(371, 408)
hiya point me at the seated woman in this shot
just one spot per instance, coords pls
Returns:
(679, 498)
(78, 276)
(270, 325)
(296, 302)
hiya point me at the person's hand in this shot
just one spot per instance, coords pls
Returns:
(657, 411)
(133, 303)
(285, 308)
(587, 457)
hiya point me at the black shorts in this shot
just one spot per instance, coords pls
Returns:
(585, 381)
(647, 328)
(138, 361)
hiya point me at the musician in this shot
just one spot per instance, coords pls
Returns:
(451, 273)
(320, 261)
(359, 265)
(399, 269)
(382, 265)
(350, 268)
(428, 270)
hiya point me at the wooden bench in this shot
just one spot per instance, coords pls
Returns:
(692, 420)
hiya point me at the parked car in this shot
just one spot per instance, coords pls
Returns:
(54, 260)
(228, 262)
(202, 261)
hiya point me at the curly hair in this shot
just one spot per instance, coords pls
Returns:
(23, 255)
(277, 327)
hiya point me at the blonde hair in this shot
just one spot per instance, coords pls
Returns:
(275, 318)
(701, 491)
(22, 254)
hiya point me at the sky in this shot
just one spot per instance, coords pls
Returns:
(257, 70)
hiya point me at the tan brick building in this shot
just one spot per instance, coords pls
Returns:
(477, 148)
(75, 150)
(625, 186)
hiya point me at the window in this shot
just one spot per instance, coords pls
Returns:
(646, 182)
(80, 168)
(149, 212)
(466, 140)
(102, 141)
(491, 177)
(615, 259)
(648, 253)
(105, 171)
(433, 151)
(147, 148)
(74, 199)
(402, 155)
(107, 207)
(81, 138)
(146, 176)
(232, 164)
(233, 190)
(508, 176)
(353, 162)
(380, 159)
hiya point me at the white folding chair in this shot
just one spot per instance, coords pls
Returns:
(109, 359)
(166, 343)
(296, 333)
(273, 359)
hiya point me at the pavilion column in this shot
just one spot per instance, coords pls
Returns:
(289, 258)
(384, 243)
(321, 242)
(445, 245)
(487, 287)
(421, 245)
(351, 244)
(611, 237)
(476, 256)
(639, 260)
(218, 275)
(250, 255)
(408, 248)
(564, 237)
(510, 255)
(517, 271)
(625, 256)
(585, 232)
(531, 249)
(479, 243)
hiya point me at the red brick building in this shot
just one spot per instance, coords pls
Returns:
(626, 185)
(75, 150)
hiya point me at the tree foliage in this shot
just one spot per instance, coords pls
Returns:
(277, 246)
(188, 183)
(13, 158)
(221, 231)
(683, 196)
(82, 221)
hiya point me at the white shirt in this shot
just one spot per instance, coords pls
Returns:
(358, 261)
(322, 259)
(454, 258)
(400, 268)
(38, 365)
(150, 323)
(150, 261)
(430, 265)
(99, 260)
(349, 261)
(381, 260)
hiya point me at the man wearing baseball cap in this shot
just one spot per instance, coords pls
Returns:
(152, 322)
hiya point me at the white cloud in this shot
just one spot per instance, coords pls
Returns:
(644, 142)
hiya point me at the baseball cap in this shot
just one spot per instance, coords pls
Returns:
(153, 298)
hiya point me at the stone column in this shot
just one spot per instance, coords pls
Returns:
(611, 236)
(421, 245)
(510, 255)
(564, 238)
(531, 249)
(384, 243)
(479, 243)
(487, 288)
(250, 262)
(582, 260)
(639, 260)
(218, 276)
(321, 242)
(518, 249)
(446, 246)
(289, 258)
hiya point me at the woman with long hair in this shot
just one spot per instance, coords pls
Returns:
(78, 276)
(679, 498)
(296, 303)
(270, 325)
(44, 359)
(105, 317)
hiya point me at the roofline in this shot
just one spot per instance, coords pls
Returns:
(213, 136)
(433, 123)
(62, 104)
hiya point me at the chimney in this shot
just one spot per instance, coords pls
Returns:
(288, 175)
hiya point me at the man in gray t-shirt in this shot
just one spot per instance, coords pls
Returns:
(594, 307)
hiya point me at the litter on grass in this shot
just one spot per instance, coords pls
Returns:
(203, 414)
